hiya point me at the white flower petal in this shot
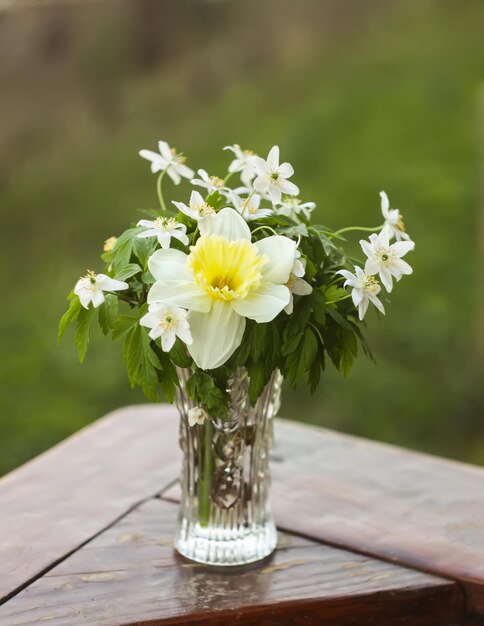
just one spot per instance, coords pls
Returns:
(402, 247)
(168, 339)
(374, 300)
(288, 188)
(385, 204)
(180, 293)
(301, 288)
(273, 158)
(110, 284)
(216, 335)
(264, 304)
(275, 193)
(169, 265)
(281, 252)
(286, 170)
(97, 298)
(226, 223)
(363, 308)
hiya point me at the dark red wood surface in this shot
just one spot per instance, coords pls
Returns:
(130, 575)
(415, 510)
(54, 503)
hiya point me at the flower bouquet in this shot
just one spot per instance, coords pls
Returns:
(217, 298)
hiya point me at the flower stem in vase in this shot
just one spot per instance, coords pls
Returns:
(206, 475)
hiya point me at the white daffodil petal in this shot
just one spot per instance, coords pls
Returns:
(226, 223)
(215, 336)
(180, 293)
(169, 265)
(264, 304)
(281, 251)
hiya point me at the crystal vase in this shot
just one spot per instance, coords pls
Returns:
(225, 515)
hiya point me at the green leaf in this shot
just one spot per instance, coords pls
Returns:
(257, 381)
(309, 349)
(179, 354)
(108, 312)
(127, 271)
(83, 330)
(143, 248)
(335, 294)
(203, 390)
(70, 315)
(122, 325)
(141, 362)
(121, 252)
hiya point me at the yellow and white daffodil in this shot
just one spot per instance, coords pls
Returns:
(224, 280)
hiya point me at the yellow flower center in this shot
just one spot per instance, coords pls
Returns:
(227, 270)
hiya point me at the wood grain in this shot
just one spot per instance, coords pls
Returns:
(56, 502)
(381, 500)
(130, 575)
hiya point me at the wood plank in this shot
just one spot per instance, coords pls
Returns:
(381, 500)
(130, 575)
(56, 502)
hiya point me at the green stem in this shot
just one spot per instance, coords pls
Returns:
(362, 228)
(339, 300)
(159, 191)
(206, 476)
(269, 228)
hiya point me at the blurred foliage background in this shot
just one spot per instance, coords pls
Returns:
(361, 96)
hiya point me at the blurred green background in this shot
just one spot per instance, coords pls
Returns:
(361, 96)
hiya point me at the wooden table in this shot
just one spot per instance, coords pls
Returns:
(369, 534)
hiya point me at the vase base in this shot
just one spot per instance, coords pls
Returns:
(226, 547)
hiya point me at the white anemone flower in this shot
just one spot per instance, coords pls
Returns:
(272, 177)
(167, 322)
(393, 219)
(365, 289)
(296, 284)
(385, 258)
(168, 159)
(90, 288)
(197, 208)
(210, 183)
(244, 163)
(293, 208)
(249, 207)
(196, 415)
(164, 228)
(224, 280)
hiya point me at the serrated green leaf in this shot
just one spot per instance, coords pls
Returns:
(70, 315)
(83, 331)
(129, 270)
(122, 325)
(108, 312)
(121, 252)
(179, 354)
